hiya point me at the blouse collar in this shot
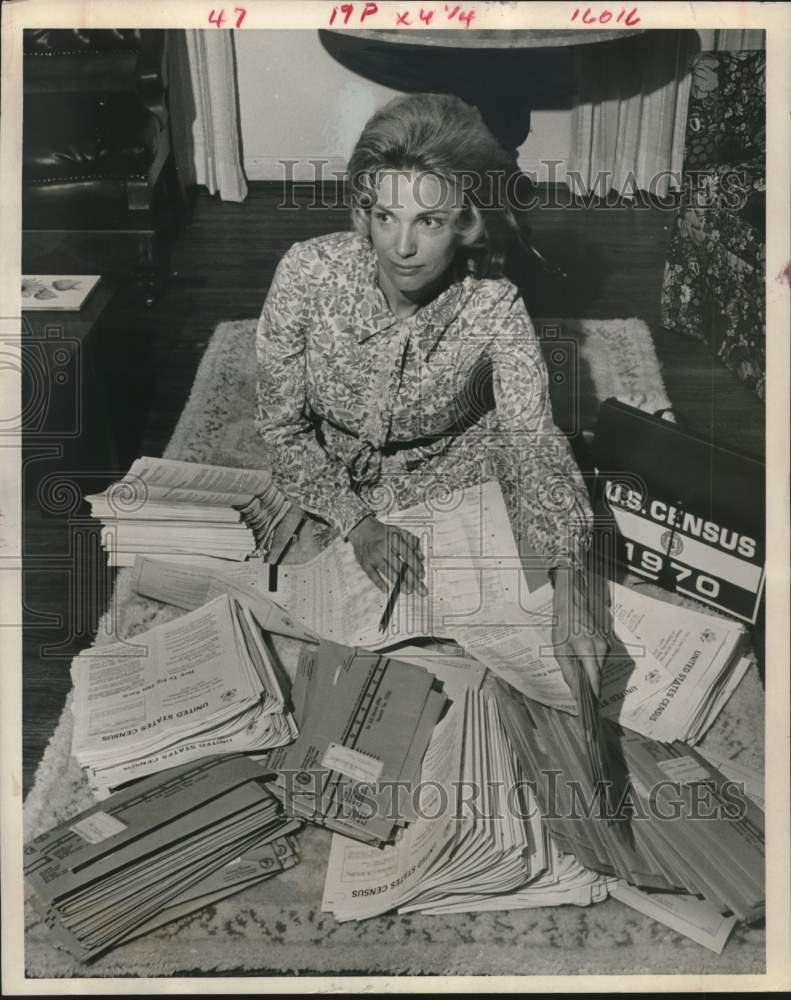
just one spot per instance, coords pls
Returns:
(374, 315)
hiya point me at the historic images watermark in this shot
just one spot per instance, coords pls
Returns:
(318, 183)
(548, 795)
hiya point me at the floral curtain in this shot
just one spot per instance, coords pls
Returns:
(204, 111)
(714, 281)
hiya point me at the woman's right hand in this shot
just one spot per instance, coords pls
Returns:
(381, 550)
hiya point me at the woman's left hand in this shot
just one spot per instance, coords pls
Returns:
(581, 606)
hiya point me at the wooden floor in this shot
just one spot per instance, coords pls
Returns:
(223, 264)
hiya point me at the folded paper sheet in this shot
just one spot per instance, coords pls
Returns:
(199, 685)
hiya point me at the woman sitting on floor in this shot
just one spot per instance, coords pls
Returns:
(395, 361)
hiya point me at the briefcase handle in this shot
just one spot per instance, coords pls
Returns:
(678, 420)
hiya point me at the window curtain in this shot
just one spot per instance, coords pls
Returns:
(629, 116)
(732, 39)
(204, 111)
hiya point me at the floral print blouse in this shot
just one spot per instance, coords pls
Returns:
(361, 411)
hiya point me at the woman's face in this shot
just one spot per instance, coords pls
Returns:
(413, 232)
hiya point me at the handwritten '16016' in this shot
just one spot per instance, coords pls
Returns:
(607, 16)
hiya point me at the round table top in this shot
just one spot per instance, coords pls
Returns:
(486, 39)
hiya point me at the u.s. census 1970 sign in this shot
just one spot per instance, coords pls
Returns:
(689, 515)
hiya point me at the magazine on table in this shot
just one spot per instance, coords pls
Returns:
(63, 292)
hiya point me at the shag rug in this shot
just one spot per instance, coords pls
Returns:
(278, 927)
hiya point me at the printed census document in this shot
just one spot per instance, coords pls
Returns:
(686, 664)
(180, 675)
(474, 578)
(479, 593)
(198, 685)
(189, 586)
(496, 605)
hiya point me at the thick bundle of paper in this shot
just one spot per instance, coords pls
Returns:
(678, 824)
(364, 724)
(157, 851)
(164, 506)
(564, 882)
(476, 840)
(203, 684)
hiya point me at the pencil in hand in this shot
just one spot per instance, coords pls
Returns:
(387, 614)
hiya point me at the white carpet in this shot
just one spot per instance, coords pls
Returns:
(278, 927)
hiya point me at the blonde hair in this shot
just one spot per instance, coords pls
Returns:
(442, 135)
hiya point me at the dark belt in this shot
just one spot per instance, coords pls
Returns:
(392, 447)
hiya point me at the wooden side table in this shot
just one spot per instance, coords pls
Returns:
(69, 449)
(67, 438)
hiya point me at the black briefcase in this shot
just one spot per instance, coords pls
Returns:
(689, 515)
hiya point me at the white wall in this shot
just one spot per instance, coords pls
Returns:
(297, 102)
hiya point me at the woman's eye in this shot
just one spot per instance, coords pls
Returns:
(381, 216)
(431, 222)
